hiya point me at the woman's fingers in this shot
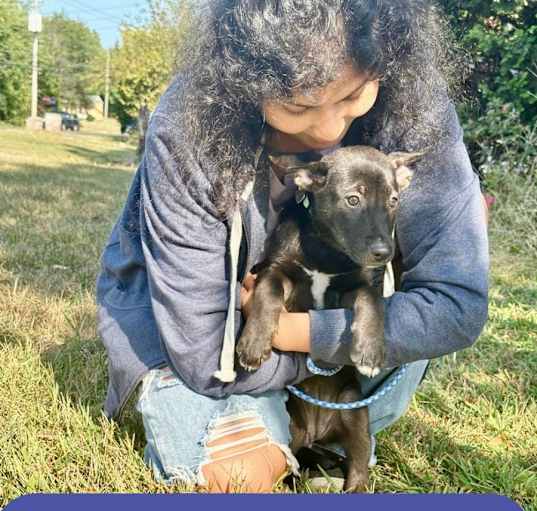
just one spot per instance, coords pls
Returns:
(247, 291)
(245, 296)
(249, 281)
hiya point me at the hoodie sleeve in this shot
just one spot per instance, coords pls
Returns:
(443, 301)
(185, 250)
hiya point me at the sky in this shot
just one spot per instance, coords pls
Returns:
(103, 16)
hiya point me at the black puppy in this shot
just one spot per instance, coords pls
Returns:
(329, 251)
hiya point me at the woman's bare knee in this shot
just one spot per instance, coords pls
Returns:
(242, 459)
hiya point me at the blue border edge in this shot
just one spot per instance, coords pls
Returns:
(285, 502)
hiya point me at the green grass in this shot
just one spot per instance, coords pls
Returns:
(471, 427)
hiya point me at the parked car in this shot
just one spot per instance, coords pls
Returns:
(70, 122)
(130, 127)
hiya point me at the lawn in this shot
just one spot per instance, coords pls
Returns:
(471, 427)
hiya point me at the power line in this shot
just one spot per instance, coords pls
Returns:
(93, 11)
(93, 23)
(49, 67)
(111, 7)
(107, 29)
(118, 8)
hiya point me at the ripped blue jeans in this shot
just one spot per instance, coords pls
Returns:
(182, 427)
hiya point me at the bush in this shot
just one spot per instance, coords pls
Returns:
(501, 37)
(499, 141)
(507, 151)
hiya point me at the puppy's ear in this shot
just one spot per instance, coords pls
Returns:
(311, 177)
(400, 163)
(403, 176)
(308, 170)
(289, 162)
(399, 158)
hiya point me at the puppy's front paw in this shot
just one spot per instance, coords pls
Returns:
(253, 348)
(356, 482)
(370, 372)
(367, 352)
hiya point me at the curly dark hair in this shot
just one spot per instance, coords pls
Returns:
(247, 51)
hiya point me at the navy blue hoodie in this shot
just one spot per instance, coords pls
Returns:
(163, 291)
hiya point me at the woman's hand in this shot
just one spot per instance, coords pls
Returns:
(247, 293)
(293, 327)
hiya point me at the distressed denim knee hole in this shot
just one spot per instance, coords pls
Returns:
(236, 432)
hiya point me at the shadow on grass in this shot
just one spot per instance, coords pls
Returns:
(80, 371)
(105, 135)
(515, 294)
(113, 157)
(70, 177)
(445, 464)
(497, 367)
(55, 222)
(414, 455)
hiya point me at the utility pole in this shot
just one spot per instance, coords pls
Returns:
(107, 85)
(34, 26)
(35, 70)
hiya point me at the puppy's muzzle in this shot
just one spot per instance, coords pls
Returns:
(379, 254)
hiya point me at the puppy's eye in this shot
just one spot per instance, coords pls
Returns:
(393, 201)
(353, 201)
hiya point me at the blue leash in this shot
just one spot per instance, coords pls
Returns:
(344, 406)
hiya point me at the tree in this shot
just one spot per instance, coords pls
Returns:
(141, 68)
(71, 61)
(147, 57)
(15, 62)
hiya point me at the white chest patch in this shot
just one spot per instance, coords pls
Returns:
(319, 284)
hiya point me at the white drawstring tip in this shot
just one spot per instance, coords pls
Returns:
(225, 375)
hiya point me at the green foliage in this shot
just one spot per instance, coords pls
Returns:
(141, 69)
(501, 140)
(72, 61)
(501, 37)
(15, 62)
(147, 57)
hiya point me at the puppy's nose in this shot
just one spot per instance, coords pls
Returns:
(380, 252)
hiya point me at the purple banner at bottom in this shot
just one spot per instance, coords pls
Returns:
(205, 502)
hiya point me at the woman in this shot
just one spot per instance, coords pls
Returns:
(281, 76)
